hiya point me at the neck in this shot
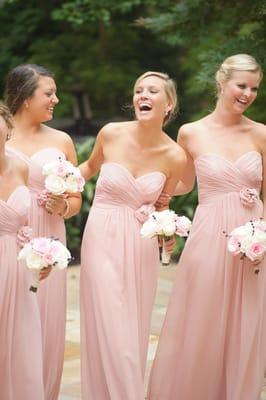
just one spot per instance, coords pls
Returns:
(147, 134)
(225, 116)
(24, 124)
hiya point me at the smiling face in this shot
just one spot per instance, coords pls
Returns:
(41, 104)
(150, 100)
(240, 90)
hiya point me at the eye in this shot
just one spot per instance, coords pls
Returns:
(241, 86)
(255, 89)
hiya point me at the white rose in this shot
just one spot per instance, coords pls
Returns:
(49, 168)
(24, 252)
(55, 184)
(34, 261)
(242, 231)
(72, 184)
(169, 228)
(149, 228)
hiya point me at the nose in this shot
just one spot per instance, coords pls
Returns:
(247, 92)
(143, 94)
(55, 99)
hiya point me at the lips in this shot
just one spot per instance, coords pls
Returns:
(145, 106)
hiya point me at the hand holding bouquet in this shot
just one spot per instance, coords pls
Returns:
(61, 178)
(42, 253)
(165, 224)
(249, 241)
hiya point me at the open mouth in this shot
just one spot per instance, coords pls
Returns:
(243, 102)
(145, 107)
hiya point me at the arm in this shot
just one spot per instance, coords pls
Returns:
(187, 181)
(90, 167)
(177, 162)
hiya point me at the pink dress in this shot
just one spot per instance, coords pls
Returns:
(213, 342)
(21, 375)
(52, 291)
(119, 272)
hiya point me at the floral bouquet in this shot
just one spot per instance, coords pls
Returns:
(249, 241)
(42, 253)
(61, 176)
(165, 224)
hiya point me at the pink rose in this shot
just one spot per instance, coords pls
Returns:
(256, 252)
(234, 245)
(183, 226)
(142, 213)
(61, 169)
(41, 246)
(248, 197)
(42, 198)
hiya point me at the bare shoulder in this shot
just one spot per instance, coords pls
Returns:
(188, 130)
(58, 137)
(258, 130)
(112, 130)
(175, 154)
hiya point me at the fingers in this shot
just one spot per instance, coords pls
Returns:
(163, 200)
(44, 273)
(169, 244)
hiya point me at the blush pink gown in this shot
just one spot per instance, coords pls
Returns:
(52, 291)
(213, 341)
(119, 272)
(21, 374)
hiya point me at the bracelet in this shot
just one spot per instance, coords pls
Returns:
(66, 210)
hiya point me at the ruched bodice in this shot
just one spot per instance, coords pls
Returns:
(212, 343)
(35, 164)
(217, 176)
(116, 186)
(118, 284)
(52, 292)
(14, 211)
(21, 373)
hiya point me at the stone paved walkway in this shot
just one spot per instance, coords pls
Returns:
(70, 389)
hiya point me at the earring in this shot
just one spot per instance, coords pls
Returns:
(8, 136)
(166, 112)
(26, 104)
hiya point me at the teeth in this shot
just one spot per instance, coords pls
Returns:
(242, 101)
(145, 107)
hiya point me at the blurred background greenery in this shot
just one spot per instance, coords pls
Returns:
(97, 48)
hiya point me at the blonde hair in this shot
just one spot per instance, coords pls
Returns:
(170, 90)
(6, 115)
(237, 62)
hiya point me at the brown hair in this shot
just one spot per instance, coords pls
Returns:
(6, 115)
(21, 83)
(170, 90)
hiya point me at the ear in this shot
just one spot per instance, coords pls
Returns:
(26, 104)
(168, 109)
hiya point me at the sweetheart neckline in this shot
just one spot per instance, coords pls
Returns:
(130, 173)
(12, 193)
(225, 159)
(30, 157)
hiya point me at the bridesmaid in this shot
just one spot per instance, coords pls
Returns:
(20, 363)
(31, 97)
(119, 269)
(212, 343)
